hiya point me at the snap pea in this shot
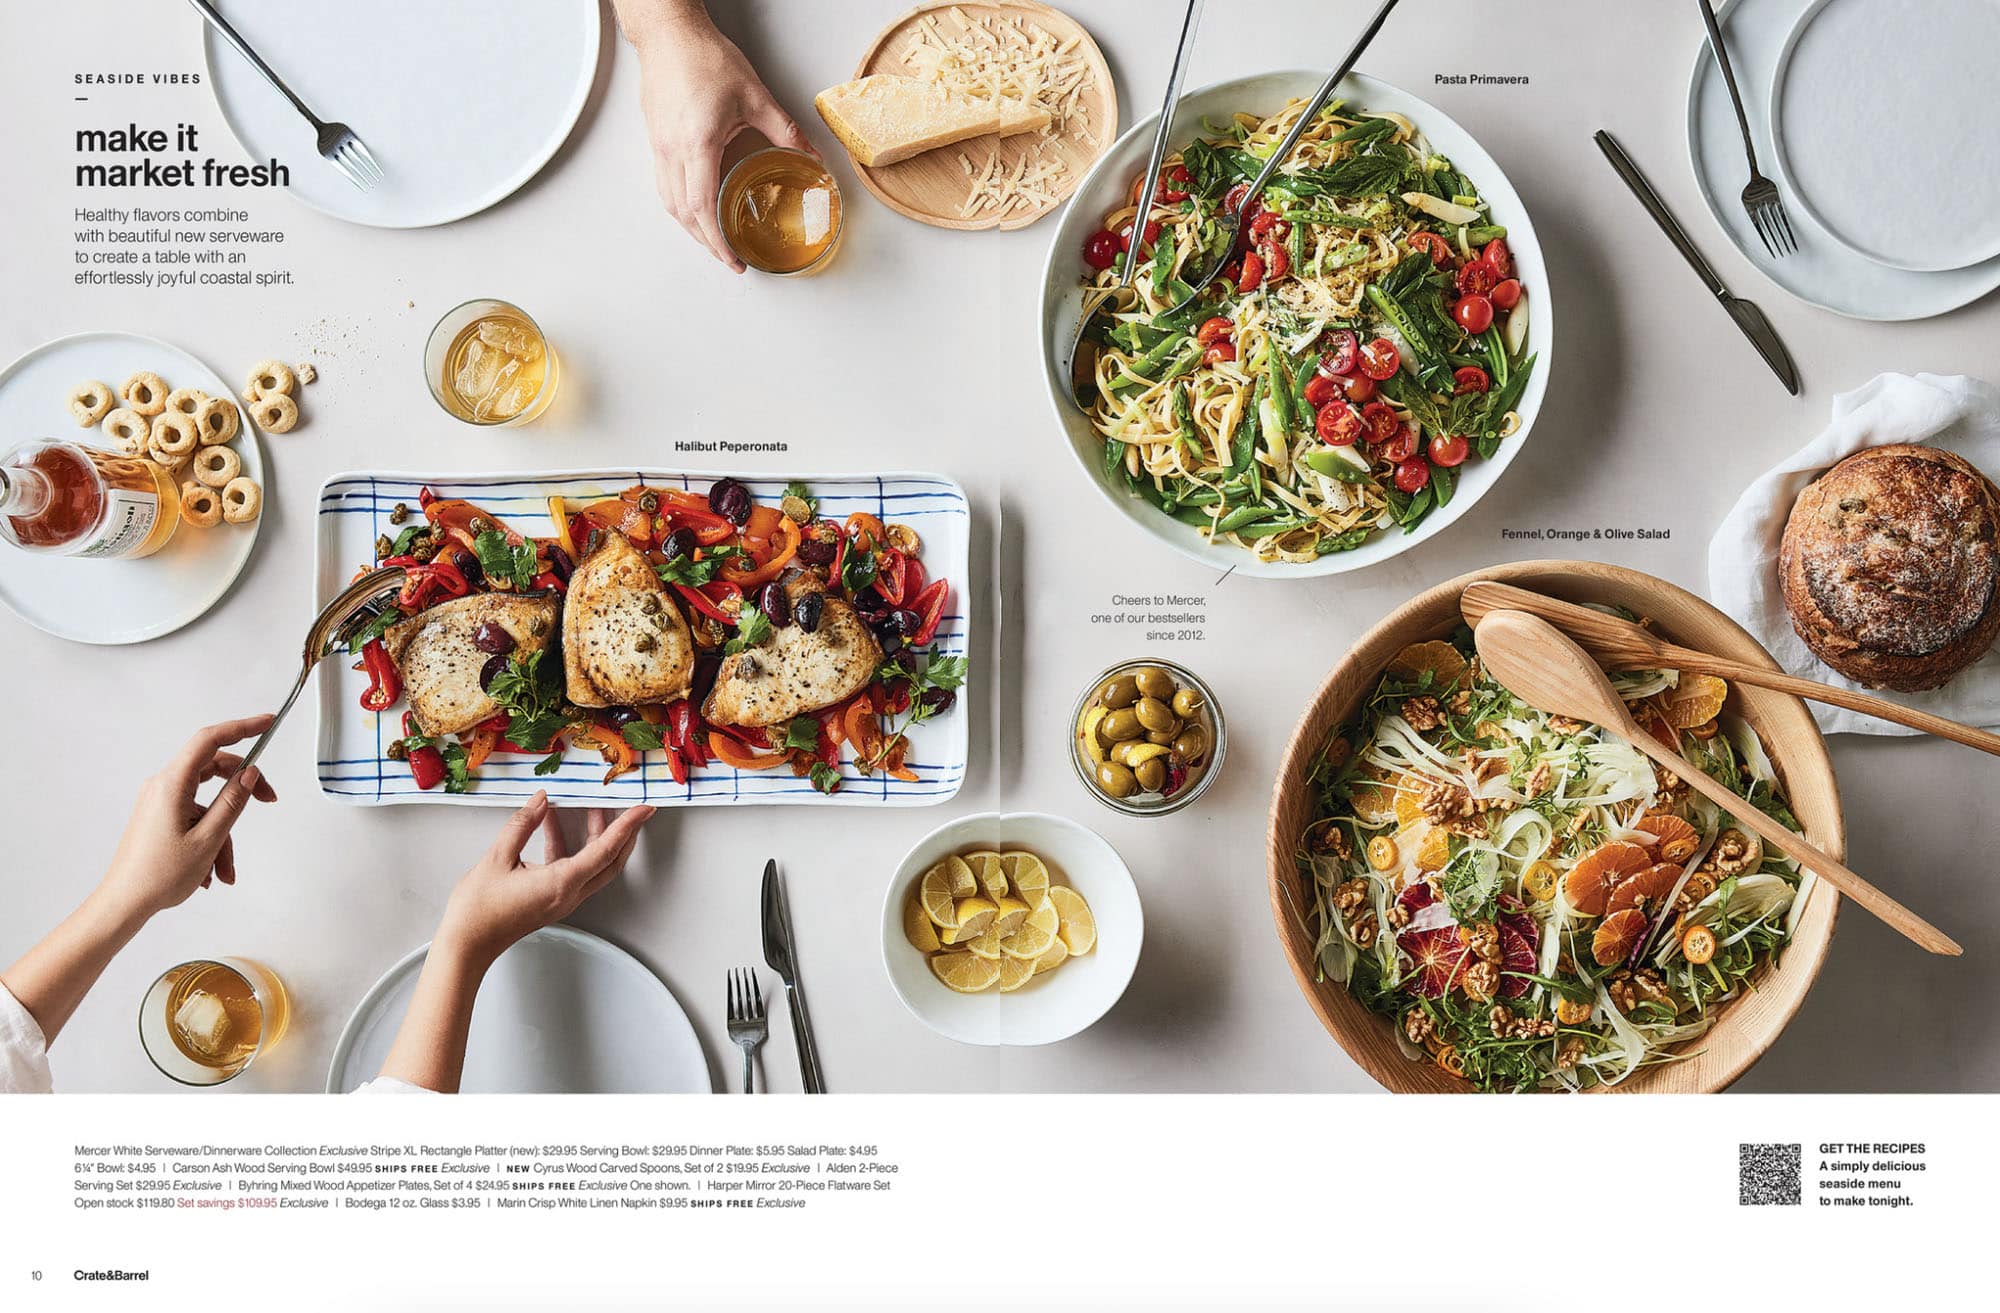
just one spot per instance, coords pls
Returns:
(1281, 391)
(1330, 218)
(1302, 411)
(1271, 530)
(1243, 446)
(1184, 416)
(1245, 515)
(1482, 233)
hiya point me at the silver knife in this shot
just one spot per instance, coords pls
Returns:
(1747, 316)
(779, 956)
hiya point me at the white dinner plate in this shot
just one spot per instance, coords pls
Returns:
(117, 601)
(561, 1012)
(1824, 271)
(1882, 113)
(461, 104)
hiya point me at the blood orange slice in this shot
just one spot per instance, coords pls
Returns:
(1645, 889)
(1589, 883)
(1617, 936)
(1517, 960)
(1438, 956)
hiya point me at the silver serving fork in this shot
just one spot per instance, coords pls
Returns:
(1760, 195)
(747, 1022)
(359, 603)
(337, 145)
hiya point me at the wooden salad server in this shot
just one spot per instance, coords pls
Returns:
(1536, 663)
(1621, 645)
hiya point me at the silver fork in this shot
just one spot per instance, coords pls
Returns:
(1760, 196)
(747, 1026)
(338, 145)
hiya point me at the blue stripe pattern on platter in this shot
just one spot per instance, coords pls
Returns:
(354, 509)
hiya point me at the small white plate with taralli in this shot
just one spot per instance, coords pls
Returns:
(75, 389)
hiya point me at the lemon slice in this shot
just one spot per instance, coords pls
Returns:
(917, 927)
(1078, 927)
(974, 915)
(1014, 973)
(985, 866)
(1012, 912)
(965, 973)
(1028, 874)
(1052, 959)
(949, 880)
(1037, 931)
(985, 944)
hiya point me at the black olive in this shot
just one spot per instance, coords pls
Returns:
(808, 611)
(939, 700)
(490, 637)
(892, 643)
(679, 543)
(622, 716)
(814, 551)
(905, 622)
(559, 563)
(777, 607)
(731, 500)
(469, 566)
(491, 670)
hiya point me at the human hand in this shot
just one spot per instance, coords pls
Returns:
(698, 92)
(172, 844)
(504, 898)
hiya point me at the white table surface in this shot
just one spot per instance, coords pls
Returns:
(917, 350)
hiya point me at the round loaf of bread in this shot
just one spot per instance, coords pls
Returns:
(1891, 566)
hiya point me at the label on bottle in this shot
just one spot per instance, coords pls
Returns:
(128, 520)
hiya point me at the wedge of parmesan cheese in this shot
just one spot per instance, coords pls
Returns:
(883, 118)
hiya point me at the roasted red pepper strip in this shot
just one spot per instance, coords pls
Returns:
(699, 599)
(479, 745)
(385, 682)
(929, 606)
(404, 560)
(734, 754)
(425, 497)
(677, 766)
(546, 581)
(423, 584)
(890, 573)
(771, 565)
(708, 528)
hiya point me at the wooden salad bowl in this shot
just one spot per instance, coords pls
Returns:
(1746, 1027)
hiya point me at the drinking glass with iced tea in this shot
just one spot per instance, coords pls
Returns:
(780, 211)
(488, 363)
(204, 1022)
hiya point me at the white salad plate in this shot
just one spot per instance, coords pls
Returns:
(354, 509)
(561, 1012)
(1826, 271)
(1923, 194)
(461, 104)
(1104, 189)
(117, 601)
(1053, 1006)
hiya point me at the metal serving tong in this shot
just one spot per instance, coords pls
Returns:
(357, 605)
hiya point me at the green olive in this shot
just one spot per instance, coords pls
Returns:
(1121, 725)
(1120, 691)
(1154, 714)
(1154, 682)
(1117, 781)
(1192, 745)
(1151, 774)
(1167, 735)
(1186, 702)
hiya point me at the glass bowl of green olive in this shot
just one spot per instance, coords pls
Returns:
(1146, 737)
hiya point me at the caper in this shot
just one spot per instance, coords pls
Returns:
(1167, 735)
(1153, 713)
(1192, 745)
(1121, 691)
(1151, 774)
(1186, 703)
(1121, 725)
(1154, 682)
(1116, 780)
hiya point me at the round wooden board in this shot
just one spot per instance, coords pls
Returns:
(933, 187)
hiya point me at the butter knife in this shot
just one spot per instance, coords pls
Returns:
(780, 957)
(1747, 316)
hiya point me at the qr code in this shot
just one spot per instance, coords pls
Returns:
(1767, 1174)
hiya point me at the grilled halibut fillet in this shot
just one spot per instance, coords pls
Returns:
(434, 652)
(795, 672)
(624, 641)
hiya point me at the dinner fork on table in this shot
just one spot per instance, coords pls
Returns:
(337, 143)
(1760, 196)
(747, 1022)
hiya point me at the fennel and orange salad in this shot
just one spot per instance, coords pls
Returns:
(1529, 900)
(1366, 338)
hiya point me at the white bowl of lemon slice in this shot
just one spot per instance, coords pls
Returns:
(1018, 929)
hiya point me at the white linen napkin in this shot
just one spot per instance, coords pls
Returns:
(1957, 414)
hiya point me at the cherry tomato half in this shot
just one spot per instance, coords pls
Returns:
(1433, 245)
(1338, 426)
(1125, 234)
(1215, 329)
(1477, 276)
(1359, 388)
(1174, 184)
(1412, 474)
(1449, 450)
(1253, 273)
(1100, 249)
(1223, 349)
(1268, 224)
(1382, 421)
(1277, 260)
(1343, 351)
(1232, 201)
(1320, 389)
(1497, 257)
(1380, 360)
(1506, 293)
(1401, 447)
(1469, 378)
(1473, 312)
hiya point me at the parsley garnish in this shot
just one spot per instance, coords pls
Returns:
(514, 562)
(550, 764)
(859, 570)
(529, 690)
(690, 573)
(803, 734)
(825, 778)
(752, 628)
(375, 628)
(645, 737)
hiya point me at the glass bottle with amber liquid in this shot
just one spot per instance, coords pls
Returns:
(61, 499)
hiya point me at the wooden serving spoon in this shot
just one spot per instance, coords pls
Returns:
(1536, 663)
(1621, 645)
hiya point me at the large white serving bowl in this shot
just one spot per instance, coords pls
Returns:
(1104, 188)
(1057, 1004)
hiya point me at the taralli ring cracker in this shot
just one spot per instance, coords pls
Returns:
(186, 401)
(217, 466)
(89, 402)
(272, 378)
(145, 392)
(275, 414)
(174, 434)
(217, 420)
(128, 431)
(242, 499)
(201, 507)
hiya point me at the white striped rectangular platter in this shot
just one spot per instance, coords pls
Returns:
(354, 510)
